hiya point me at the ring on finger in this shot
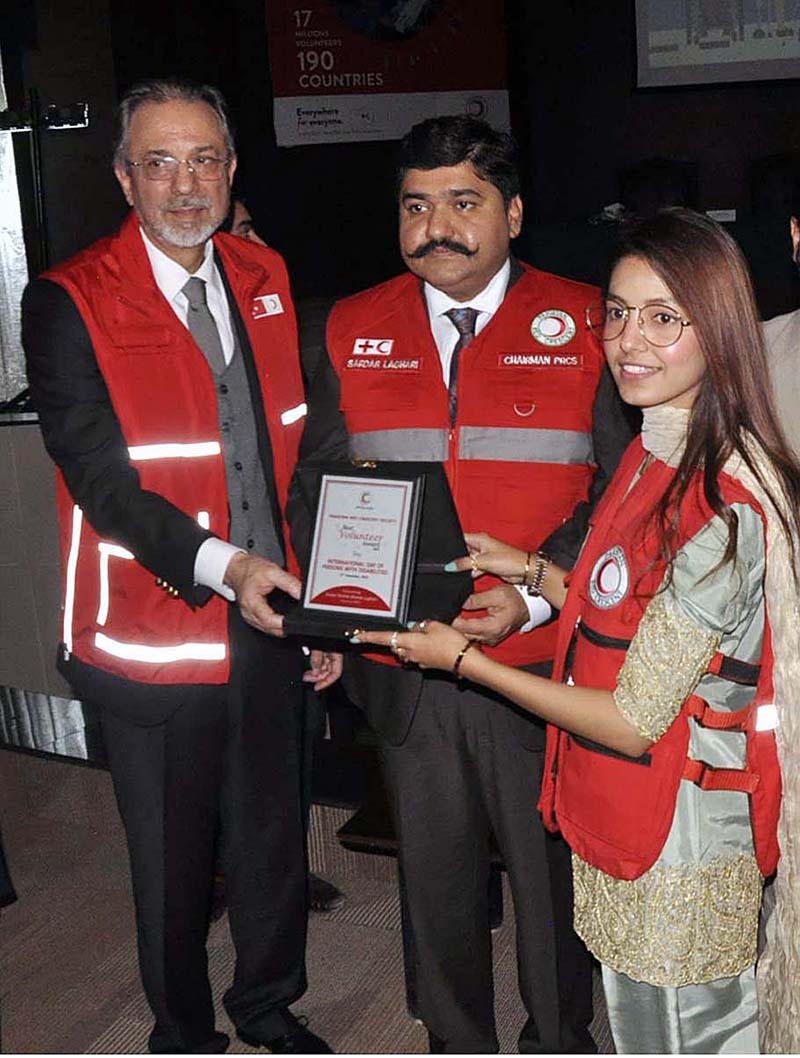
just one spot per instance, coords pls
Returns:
(393, 641)
(474, 562)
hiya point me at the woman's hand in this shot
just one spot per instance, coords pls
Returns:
(430, 644)
(487, 555)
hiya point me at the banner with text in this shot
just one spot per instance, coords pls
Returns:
(347, 70)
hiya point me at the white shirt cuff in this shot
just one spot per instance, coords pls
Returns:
(539, 609)
(211, 562)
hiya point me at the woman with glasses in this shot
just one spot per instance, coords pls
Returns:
(663, 773)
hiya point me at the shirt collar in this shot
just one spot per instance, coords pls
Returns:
(488, 300)
(170, 276)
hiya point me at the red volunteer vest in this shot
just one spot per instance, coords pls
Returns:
(115, 616)
(518, 456)
(616, 812)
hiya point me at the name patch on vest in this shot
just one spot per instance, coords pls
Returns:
(377, 363)
(267, 305)
(553, 327)
(608, 584)
(372, 347)
(540, 360)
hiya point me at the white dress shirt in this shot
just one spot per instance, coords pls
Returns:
(171, 278)
(444, 330)
(213, 555)
(445, 335)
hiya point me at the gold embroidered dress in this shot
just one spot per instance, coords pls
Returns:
(678, 944)
(693, 917)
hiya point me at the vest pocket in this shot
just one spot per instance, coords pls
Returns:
(544, 390)
(378, 395)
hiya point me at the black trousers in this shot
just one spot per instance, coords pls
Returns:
(229, 757)
(7, 894)
(465, 770)
(314, 717)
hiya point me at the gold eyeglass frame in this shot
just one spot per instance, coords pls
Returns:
(639, 309)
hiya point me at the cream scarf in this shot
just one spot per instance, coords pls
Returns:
(778, 974)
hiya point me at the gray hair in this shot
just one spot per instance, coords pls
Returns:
(168, 92)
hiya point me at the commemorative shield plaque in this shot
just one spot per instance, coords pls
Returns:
(381, 536)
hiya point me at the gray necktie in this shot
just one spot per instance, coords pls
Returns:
(202, 326)
(464, 322)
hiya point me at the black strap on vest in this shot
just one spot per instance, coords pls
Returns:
(741, 672)
(597, 639)
(728, 668)
(744, 673)
(645, 760)
(604, 641)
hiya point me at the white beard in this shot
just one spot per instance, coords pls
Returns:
(185, 238)
(174, 234)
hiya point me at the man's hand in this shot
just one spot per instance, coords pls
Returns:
(252, 578)
(326, 668)
(506, 613)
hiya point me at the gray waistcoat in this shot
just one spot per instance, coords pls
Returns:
(252, 524)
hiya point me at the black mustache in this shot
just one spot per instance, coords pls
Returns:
(444, 244)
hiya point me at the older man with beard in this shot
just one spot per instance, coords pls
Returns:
(163, 363)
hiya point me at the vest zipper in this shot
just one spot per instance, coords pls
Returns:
(452, 451)
(570, 655)
(566, 678)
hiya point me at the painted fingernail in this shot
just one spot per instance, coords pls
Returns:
(354, 639)
(411, 624)
(450, 567)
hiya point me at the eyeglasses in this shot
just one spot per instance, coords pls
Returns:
(660, 324)
(164, 167)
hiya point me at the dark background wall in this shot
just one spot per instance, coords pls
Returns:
(589, 121)
(575, 110)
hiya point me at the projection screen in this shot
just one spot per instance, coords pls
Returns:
(683, 42)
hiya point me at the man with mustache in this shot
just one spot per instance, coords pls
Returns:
(486, 364)
(163, 363)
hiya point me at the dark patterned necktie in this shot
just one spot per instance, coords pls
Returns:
(464, 322)
(201, 324)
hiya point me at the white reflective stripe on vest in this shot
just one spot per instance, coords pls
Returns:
(416, 445)
(107, 551)
(195, 450)
(72, 566)
(293, 414)
(766, 717)
(513, 445)
(160, 655)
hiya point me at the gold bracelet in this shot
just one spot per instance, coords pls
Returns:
(460, 657)
(534, 585)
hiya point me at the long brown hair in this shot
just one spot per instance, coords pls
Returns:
(709, 278)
